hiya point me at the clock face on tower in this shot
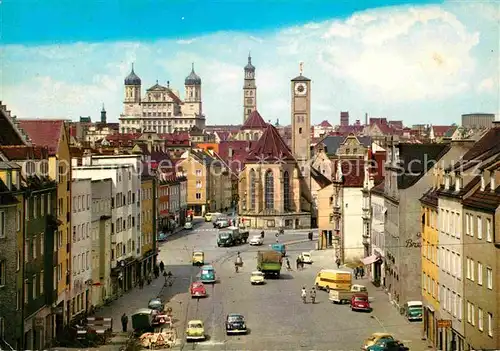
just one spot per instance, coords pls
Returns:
(300, 89)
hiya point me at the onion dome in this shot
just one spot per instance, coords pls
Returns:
(249, 66)
(132, 78)
(193, 78)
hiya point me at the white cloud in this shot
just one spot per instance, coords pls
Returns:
(410, 63)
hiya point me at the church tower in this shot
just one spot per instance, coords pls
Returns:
(132, 88)
(192, 84)
(249, 90)
(301, 122)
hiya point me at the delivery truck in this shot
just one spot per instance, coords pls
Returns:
(269, 263)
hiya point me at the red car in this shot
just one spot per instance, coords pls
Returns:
(198, 290)
(359, 302)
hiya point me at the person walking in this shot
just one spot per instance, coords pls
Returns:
(356, 272)
(162, 266)
(124, 322)
(338, 262)
(298, 262)
(288, 267)
(362, 271)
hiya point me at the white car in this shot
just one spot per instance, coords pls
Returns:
(188, 225)
(306, 257)
(256, 240)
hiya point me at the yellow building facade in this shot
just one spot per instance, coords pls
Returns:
(429, 259)
(147, 221)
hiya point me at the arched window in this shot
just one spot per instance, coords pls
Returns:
(269, 194)
(286, 191)
(252, 189)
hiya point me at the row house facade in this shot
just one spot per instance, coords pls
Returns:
(125, 208)
(147, 220)
(102, 194)
(81, 246)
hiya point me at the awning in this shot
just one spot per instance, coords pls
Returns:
(370, 259)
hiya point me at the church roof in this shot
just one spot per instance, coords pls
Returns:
(270, 148)
(254, 121)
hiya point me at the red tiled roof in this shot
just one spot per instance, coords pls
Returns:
(378, 121)
(254, 121)
(223, 135)
(22, 152)
(485, 200)
(353, 172)
(239, 150)
(44, 132)
(346, 130)
(325, 124)
(396, 124)
(440, 130)
(270, 148)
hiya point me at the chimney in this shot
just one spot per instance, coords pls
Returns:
(366, 118)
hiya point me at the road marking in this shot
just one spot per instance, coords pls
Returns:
(379, 322)
(210, 342)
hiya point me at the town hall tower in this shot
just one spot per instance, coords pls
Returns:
(249, 90)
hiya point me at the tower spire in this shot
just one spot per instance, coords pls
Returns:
(132, 67)
(192, 66)
(301, 67)
(249, 57)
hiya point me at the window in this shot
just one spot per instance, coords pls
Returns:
(472, 314)
(198, 173)
(489, 278)
(472, 269)
(459, 307)
(198, 196)
(18, 220)
(2, 224)
(458, 226)
(269, 190)
(479, 319)
(42, 244)
(488, 230)
(42, 206)
(26, 290)
(198, 184)
(35, 206)
(455, 303)
(3, 268)
(450, 304)
(469, 319)
(34, 285)
(87, 259)
(445, 298)
(480, 273)
(458, 266)
(74, 233)
(87, 230)
(490, 324)
(88, 202)
(286, 190)
(18, 260)
(479, 227)
(26, 250)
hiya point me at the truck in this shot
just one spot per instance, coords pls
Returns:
(230, 236)
(244, 232)
(269, 262)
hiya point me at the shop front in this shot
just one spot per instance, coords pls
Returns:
(38, 329)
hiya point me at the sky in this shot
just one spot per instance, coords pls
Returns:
(419, 61)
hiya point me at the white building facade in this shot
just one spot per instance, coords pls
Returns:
(101, 240)
(162, 110)
(377, 236)
(125, 206)
(81, 245)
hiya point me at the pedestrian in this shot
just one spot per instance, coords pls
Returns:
(162, 266)
(288, 264)
(356, 272)
(157, 271)
(124, 322)
(362, 271)
(298, 263)
(338, 262)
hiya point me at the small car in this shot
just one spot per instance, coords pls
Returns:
(195, 330)
(208, 217)
(306, 257)
(257, 277)
(197, 289)
(256, 240)
(221, 223)
(235, 324)
(156, 305)
(198, 258)
(162, 236)
(413, 310)
(374, 338)
(188, 225)
(359, 302)
(388, 344)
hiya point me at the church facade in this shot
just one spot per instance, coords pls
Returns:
(161, 110)
(275, 183)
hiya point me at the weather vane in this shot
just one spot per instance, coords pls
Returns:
(301, 67)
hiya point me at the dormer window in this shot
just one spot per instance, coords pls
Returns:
(458, 182)
(447, 180)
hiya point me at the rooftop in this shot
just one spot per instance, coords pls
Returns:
(270, 148)
(44, 132)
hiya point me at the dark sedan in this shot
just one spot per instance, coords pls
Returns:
(235, 324)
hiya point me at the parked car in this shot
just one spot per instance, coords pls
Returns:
(374, 338)
(413, 310)
(359, 302)
(195, 330)
(235, 324)
(188, 225)
(257, 277)
(221, 222)
(198, 289)
(162, 236)
(208, 217)
(256, 240)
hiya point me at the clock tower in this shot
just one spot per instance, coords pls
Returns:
(301, 122)
(249, 90)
